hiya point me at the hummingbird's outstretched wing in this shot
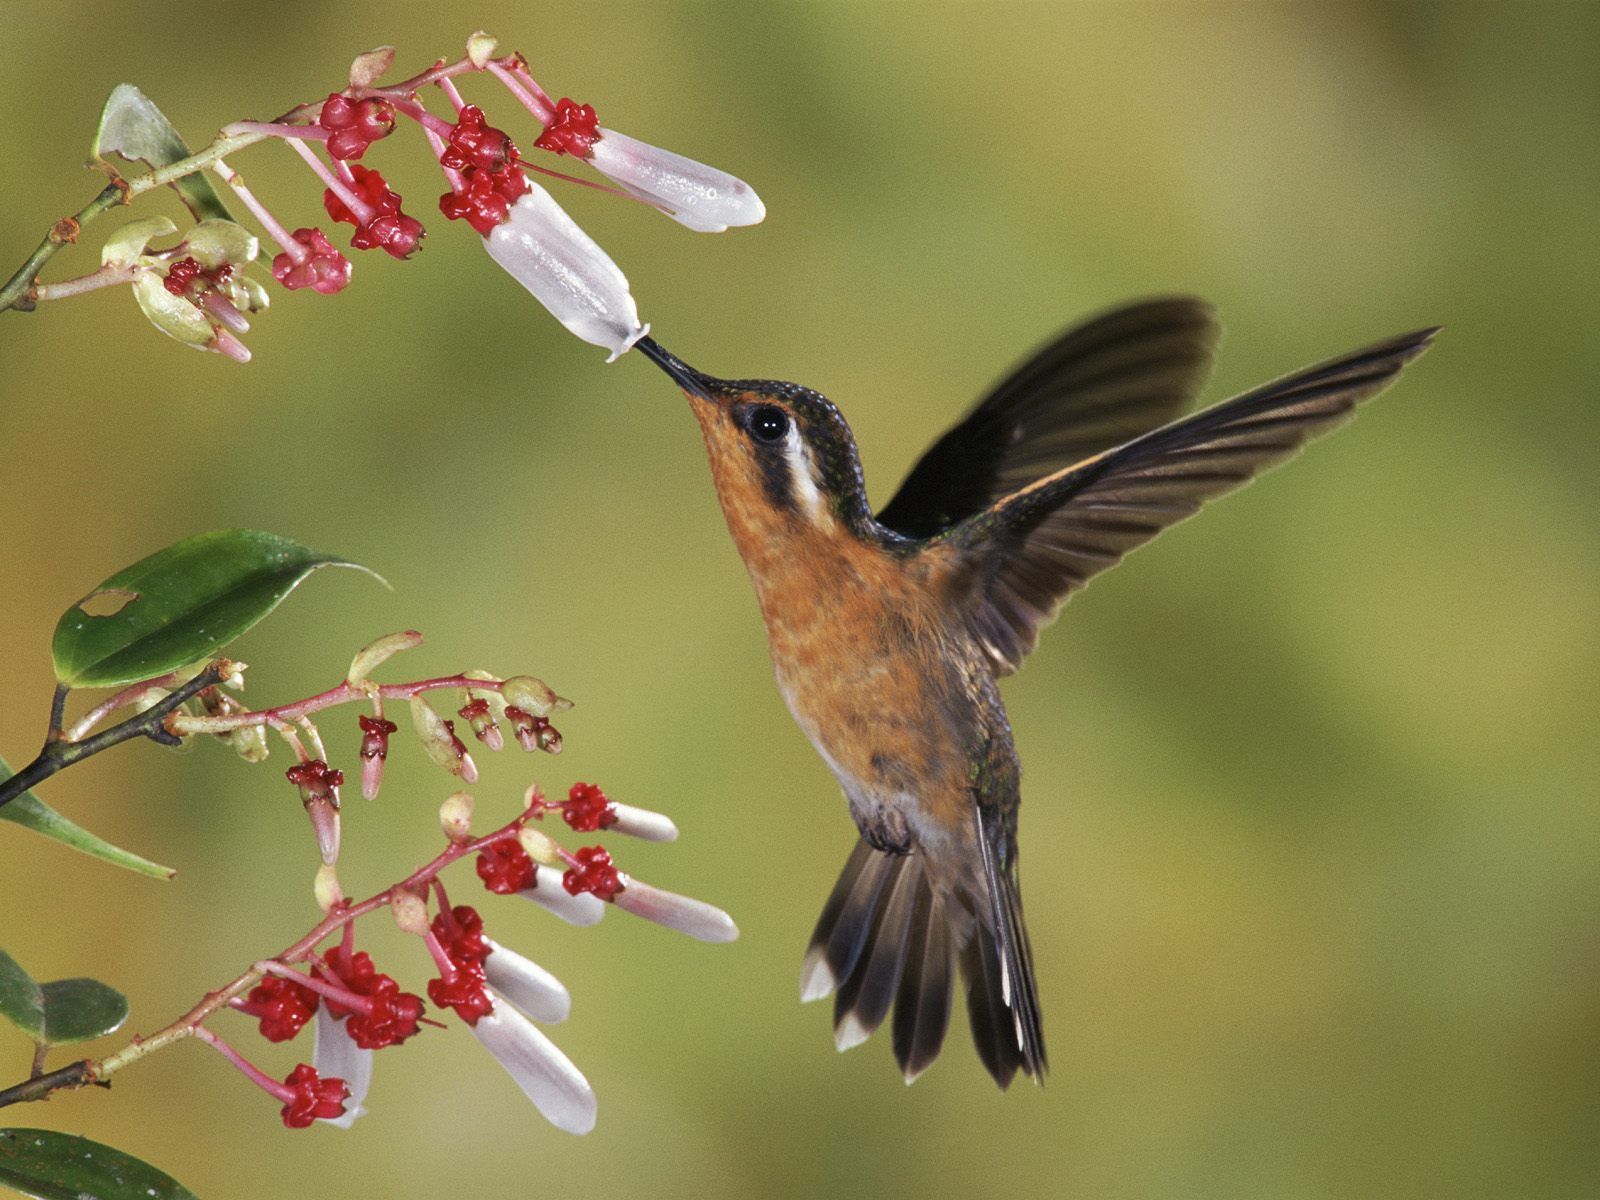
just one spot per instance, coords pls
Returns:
(1035, 547)
(1094, 386)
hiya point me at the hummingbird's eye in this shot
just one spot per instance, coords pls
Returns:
(769, 424)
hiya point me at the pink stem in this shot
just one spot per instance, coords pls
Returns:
(280, 129)
(253, 1073)
(522, 85)
(296, 252)
(362, 210)
(104, 277)
(442, 960)
(454, 95)
(279, 717)
(423, 117)
(127, 695)
(340, 996)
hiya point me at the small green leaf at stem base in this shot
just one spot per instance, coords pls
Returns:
(32, 813)
(58, 1166)
(79, 1010)
(179, 606)
(21, 999)
(133, 127)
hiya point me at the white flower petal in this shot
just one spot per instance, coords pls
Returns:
(642, 823)
(337, 1054)
(547, 892)
(702, 198)
(527, 985)
(544, 250)
(556, 1087)
(693, 917)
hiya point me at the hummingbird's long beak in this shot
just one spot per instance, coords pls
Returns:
(681, 373)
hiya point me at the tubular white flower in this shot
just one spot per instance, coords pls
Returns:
(644, 824)
(527, 985)
(544, 250)
(696, 918)
(336, 1054)
(557, 1088)
(548, 893)
(700, 197)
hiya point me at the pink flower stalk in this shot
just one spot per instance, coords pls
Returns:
(544, 250)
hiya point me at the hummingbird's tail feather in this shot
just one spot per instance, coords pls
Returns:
(888, 939)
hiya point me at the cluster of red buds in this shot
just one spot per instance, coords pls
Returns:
(523, 228)
(496, 992)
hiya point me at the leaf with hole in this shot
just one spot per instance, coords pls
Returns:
(180, 606)
(48, 1165)
(33, 813)
(134, 128)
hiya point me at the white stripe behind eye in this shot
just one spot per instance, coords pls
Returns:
(799, 460)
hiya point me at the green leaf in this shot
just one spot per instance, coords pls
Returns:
(21, 1000)
(33, 813)
(133, 127)
(59, 1166)
(179, 606)
(78, 1010)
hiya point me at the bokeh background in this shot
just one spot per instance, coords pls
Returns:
(1310, 822)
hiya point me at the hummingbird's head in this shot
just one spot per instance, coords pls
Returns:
(782, 455)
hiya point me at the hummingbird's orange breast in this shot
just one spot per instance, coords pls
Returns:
(864, 656)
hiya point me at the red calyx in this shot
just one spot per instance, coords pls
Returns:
(313, 1097)
(390, 1020)
(491, 171)
(323, 270)
(587, 809)
(460, 932)
(353, 125)
(283, 1005)
(375, 733)
(389, 228)
(573, 130)
(594, 874)
(505, 867)
(463, 990)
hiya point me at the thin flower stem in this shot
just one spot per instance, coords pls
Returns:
(296, 252)
(18, 290)
(423, 117)
(518, 66)
(89, 1071)
(453, 94)
(280, 130)
(343, 694)
(107, 276)
(251, 1072)
(364, 211)
(534, 100)
(332, 991)
(58, 754)
(128, 695)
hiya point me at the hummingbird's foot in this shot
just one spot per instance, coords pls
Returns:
(886, 830)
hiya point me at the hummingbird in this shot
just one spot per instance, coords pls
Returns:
(889, 632)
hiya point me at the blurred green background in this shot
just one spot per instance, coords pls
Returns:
(1310, 822)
